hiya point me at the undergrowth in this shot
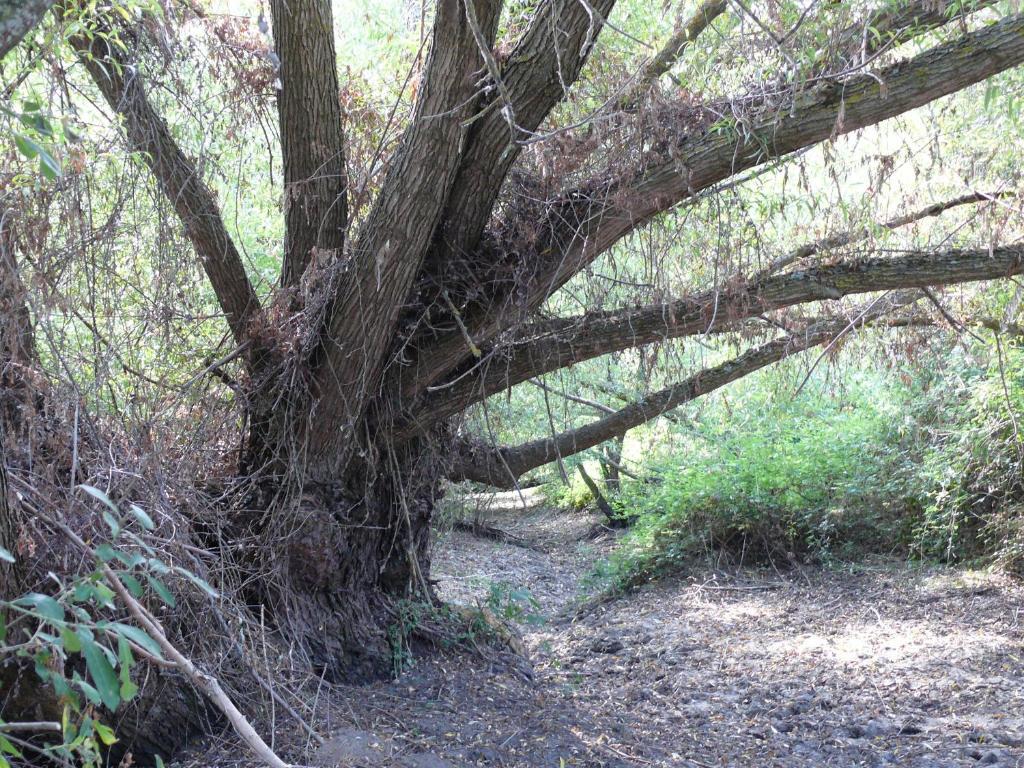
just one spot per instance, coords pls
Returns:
(926, 468)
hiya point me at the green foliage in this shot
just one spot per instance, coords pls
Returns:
(779, 479)
(75, 642)
(511, 603)
(968, 473)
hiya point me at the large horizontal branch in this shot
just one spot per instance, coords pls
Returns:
(563, 343)
(312, 140)
(846, 238)
(590, 220)
(502, 467)
(177, 176)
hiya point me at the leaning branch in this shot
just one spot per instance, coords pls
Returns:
(208, 684)
(501, 467)
(591, 219)
(119, 82)
(599, 333)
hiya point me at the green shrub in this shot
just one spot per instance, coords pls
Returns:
(780, 479)
(968, 474)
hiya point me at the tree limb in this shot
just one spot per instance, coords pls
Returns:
(599, 333)
(845, 238)
(671, 51)
(545, 62)
(177, 176)
(589, 220)
(312, 139)
(501, 467)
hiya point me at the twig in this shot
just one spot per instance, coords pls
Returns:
(208, 684)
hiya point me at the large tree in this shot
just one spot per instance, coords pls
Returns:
(392, 318)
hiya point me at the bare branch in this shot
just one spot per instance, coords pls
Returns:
(589, 220)
(501, 467)
(599, 333)
(119, 82)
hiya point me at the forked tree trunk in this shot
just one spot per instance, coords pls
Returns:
(338, 486)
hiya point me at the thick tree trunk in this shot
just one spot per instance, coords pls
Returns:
(343, 556)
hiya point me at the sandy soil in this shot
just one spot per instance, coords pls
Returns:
(879, 665)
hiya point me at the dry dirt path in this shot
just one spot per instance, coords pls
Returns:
(882, 665)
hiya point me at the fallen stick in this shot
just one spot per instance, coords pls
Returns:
(208, 684)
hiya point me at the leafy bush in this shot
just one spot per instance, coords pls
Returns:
(968, 474)
(77, 645)
(809, 478)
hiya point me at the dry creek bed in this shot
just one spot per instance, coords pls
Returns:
(879, 665)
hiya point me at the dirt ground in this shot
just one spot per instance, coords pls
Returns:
(878, 665)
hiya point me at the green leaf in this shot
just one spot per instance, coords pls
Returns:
(201, 583)
(161, 589)
(91, 694)
(132, 584)
(48, 165)
(104, 595)
(144, 520)
(106, 552)
(136, 635)
(26, 146)
(99, 495)
(6, 556)
(130, 559)
(125, 662)
(72, 643)
(10, 749)
(44, 605)
(100, 671)
(112, 522)
(105, 733)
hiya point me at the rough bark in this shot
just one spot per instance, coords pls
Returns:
(351, 538)
(18, 18)
(558, 344)
(312, 140)
(592, 219)
(388, 254)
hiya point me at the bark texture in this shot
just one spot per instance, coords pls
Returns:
(18, 18)
(312, 139)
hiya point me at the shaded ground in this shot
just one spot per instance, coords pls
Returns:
(884, 665)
